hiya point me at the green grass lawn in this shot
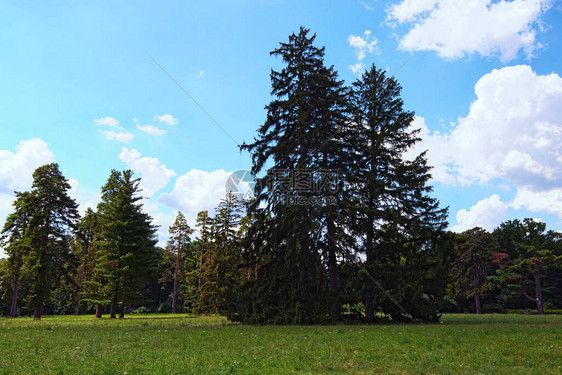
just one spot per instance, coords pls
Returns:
(178, 344)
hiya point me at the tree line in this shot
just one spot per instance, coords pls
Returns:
(518, 265)
(342, 226)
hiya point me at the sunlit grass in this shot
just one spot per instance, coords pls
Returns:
(178, 344)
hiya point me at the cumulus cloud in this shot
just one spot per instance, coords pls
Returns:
(455, 28)
(512, 135)
(109, 121)
(536, 201)
(168, 119)
(124, 137)
(488, 213)
(164, 221)
(151, 129)
(196, 191)
(154, 175)
(16, 169)
(362, 46)
(513, 131)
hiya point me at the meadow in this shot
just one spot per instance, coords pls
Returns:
(181, 344)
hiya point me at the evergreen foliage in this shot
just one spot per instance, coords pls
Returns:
(343, 226)
(126, 258)
(380, 219)
(220, 269)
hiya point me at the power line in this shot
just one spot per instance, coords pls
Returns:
(195, 101)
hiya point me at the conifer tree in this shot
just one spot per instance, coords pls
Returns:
(394, 216)
(472, 264)
(177, 245)
(300, 138)
(16, 241)
(203, 224)
(84, 251)
(126, 258)
(220, 270)
(54, 217)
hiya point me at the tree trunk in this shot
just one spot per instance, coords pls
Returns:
(98, 311)
(369, 297)
(477, 302)
(129, 308)
(200, 265)
(37, 313)
(538, 292)
(78, 301)
(13, 308)
(333, 268)
(175, 292)
(112, 310)
(114, 304)
(369, 308)
(38, 303)
(122, 313)
(257, 264)
(82, 276)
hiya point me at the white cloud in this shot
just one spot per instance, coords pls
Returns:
(154, 175)
(369, 5)
(362, 46)
(109, 121)
(151, 129)
(513, 131)
(195, 191)
(168, 119)
(547, 201)
(201, 73)
(357, 68)
(164, 221)
(125, 137)
(16, 169)
(455, 28)
(488, 213)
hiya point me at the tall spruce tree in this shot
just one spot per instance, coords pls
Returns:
(54, 217)
(299, 138)
(126, 259)
(398, 223)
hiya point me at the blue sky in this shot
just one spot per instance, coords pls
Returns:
(78, 86)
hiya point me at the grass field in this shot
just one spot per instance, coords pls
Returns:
(166, 344)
